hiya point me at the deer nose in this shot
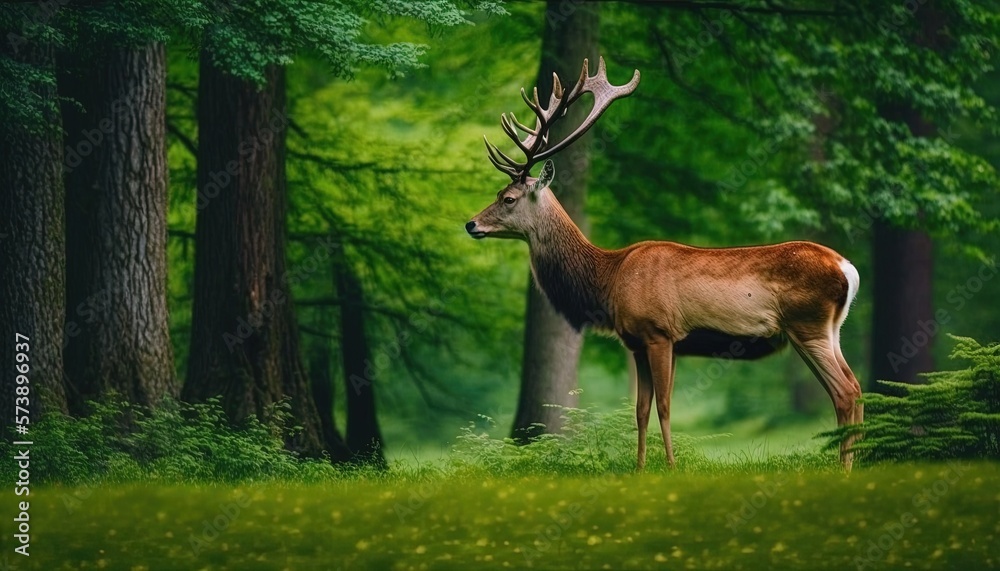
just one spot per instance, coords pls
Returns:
(470, 225)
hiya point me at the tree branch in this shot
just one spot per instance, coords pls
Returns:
(187, 90)
(317, 332)
(675, 76)
(374, 167)
(188, 143)
(178, 233)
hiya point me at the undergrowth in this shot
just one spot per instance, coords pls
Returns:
(594, 443)
(195, 443)
(956, 414)
(175, 442)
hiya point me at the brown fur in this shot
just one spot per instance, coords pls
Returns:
(665, 299)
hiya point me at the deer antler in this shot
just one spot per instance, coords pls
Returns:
(535, 143)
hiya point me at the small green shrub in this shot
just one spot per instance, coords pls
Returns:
(955, 415)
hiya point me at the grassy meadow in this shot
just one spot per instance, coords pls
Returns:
(916, 516)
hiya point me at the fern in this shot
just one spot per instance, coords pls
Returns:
(955, 415)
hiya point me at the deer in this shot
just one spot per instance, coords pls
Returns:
(665, 299)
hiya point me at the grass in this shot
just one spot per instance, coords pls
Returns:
(182, 489)
(929, 516)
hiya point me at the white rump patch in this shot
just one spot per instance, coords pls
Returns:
(853, 284)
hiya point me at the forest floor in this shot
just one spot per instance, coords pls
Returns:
(933, 516)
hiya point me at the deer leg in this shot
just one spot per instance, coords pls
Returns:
(858, 412)
(820, 355)
(661, 363)
(643, 402)
(859, 409)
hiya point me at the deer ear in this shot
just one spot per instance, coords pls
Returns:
(545, 177)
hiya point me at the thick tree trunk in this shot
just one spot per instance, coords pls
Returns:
(903, 316)
(244, 340)
(551, 346)
(117, 329)
(363, 435)
(32, 251)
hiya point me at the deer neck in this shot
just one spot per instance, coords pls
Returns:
(571, 271)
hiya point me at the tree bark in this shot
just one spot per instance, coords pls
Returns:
(244, 340)
(363, 435)
(117, 327)
(32, 250)
(551, 346)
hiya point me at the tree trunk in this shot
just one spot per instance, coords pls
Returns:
(323, 395)
(904, 271)
(244, 339)
(32, 250)
(551, 346)
(903, 324)
(117, 328)
(363, 435)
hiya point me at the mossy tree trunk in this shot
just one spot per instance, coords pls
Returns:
(32, 247)
(117, 327)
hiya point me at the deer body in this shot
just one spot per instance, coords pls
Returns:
(665, 299)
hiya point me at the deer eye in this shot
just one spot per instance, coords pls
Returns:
(509, 200)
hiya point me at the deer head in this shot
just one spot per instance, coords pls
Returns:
(523, 205)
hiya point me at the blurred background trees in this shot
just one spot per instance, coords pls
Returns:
(276, 210)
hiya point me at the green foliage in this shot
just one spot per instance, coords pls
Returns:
(955, 415)
(821, 121)
(26, 68)
(594, 443)
(182, 443)
(247, 37)
(21, 103)
(176, 442)
(243, 37)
